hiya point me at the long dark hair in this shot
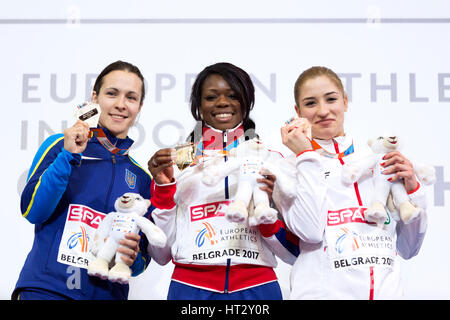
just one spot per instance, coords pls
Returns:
(122, 66)
(239, 81)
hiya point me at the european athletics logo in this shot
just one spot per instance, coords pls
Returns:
(348, 240)
(207, 232)
(79, 238)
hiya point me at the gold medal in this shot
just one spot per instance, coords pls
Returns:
(184, 155)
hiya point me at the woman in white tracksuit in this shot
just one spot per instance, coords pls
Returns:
(215, 258)
(342, 255)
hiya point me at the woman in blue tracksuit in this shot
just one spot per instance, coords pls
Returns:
(72, 184)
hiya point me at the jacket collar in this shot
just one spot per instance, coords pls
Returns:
(215, 139)
(343, 143)
(125, 143)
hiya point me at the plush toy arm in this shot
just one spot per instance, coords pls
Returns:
(425, 173)
(214, 173)
(102, 232)
(353, 171)
(155, 235)
(285, 184)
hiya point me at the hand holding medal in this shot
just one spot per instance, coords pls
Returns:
(160, 165)
(77, 136)
(296, 135)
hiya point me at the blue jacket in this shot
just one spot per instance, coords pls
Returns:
(66, 196)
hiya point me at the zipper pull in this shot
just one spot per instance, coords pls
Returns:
(113, 159)
(224, 144)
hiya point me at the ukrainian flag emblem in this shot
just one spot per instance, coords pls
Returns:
(130, 179)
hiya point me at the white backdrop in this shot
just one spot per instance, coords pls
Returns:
(393, 57)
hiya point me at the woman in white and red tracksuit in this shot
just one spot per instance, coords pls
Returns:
(215, 258)
(342, 255)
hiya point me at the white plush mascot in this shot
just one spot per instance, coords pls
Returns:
(127, 219)
(250, 159)
(352, 172)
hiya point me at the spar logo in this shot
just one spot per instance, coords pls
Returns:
(350, 215)
(86, 215)
(206, 234)
(209, 210)
(79, 239)
(348, 240)
(347, 215)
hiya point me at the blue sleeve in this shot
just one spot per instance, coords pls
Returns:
(281, 241)
(47, 179)
(143, 258)
(288, 240)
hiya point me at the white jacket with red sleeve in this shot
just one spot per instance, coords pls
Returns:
(342, 256)
(210, 252)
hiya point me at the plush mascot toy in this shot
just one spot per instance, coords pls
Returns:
(352, 172)
(250, 159)
(127, 219)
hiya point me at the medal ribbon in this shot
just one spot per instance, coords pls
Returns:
(103, 139)
(199, 150)
(325, 153)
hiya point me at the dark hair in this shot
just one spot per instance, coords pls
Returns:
(239, 81)
(122, 66)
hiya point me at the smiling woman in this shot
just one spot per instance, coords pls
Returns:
(220, 106)
(72, 185)
(322, 101)
(222, 96)
(120, 101)
(238, 266)
(119, 90)
(329, 215)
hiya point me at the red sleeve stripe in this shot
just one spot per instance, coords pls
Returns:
(162, 196)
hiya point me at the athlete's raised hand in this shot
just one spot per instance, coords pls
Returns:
(76, 137)
(296, 135)
(160, 165)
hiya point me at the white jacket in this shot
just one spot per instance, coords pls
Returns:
(341, 255)
(192, 216)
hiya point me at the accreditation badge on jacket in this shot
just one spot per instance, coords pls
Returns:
(352, 242)
(214, 239)
(79, 230)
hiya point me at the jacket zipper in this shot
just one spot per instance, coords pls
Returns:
(358, 197)
(113, 176)
(227, 196)
(224, 144)
(227, 276)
